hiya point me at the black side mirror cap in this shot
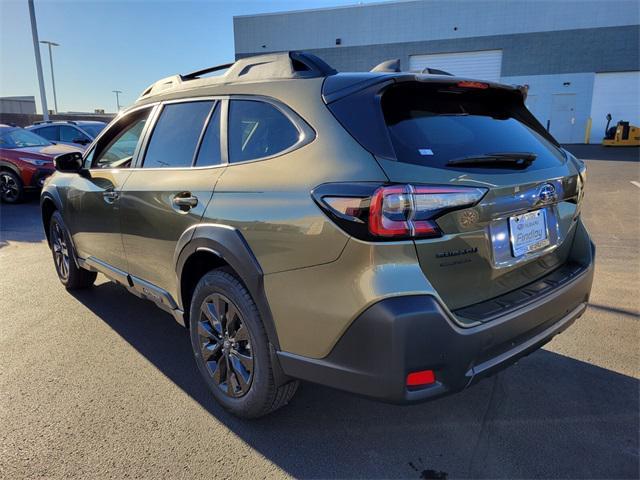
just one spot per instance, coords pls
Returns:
(81, 141)
(68, 162)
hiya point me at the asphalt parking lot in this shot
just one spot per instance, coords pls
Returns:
(101, 384)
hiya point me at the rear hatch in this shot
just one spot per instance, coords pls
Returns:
(444, 131)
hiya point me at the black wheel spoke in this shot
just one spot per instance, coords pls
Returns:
(242, 334)
(218, 372)
(233, 320)
(205, 330)
(60, 251)
(245, 360)
(211, 351)
(241, 374)
(225, 345)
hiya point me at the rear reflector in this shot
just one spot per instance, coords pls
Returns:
(423, 377)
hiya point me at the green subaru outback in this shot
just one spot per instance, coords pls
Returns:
(396, 235)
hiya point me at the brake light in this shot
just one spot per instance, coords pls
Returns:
(469, 84)
(408, 211)
(372, 212)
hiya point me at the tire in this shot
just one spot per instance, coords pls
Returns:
(64, 257)
(11, 187)
(231, 348)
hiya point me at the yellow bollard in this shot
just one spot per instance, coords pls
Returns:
(587, 132)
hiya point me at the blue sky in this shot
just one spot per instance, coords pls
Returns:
(108, 45)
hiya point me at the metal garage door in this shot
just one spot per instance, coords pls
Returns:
(618, 94)
(484, 65)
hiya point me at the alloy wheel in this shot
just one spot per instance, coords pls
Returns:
(9, 189)
(225, 345)
(60, 251)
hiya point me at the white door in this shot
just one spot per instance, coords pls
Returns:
(563, 117)
(617, 93)
(483, 65)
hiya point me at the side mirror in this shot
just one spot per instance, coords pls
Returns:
(68, 162)
(81, 141)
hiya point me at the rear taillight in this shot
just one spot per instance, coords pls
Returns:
(392, 212)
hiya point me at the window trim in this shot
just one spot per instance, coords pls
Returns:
(139, 164)
(307, 133)
(92, 146)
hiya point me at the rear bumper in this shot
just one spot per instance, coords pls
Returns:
(400, 335)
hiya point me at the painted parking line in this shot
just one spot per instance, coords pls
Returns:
(637, 184)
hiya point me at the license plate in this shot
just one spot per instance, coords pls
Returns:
(528, 232)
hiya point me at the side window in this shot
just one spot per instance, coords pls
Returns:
(69, 134)
(209, 153)
(175, 137)
(258, 129)
(50, 133)
(118, 144)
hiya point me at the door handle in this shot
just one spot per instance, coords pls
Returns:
(185, 201)
(110, 196)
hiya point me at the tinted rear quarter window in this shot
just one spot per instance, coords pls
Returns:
(209, 153)
(50, 133)
(257, 130)
(175, 137)
(69, 134)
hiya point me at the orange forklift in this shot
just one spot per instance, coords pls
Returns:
(622, 135)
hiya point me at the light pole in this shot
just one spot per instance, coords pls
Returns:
(117, 92)
(36, 48)
(53, 80)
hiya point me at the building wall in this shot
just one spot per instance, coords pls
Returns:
(24, 119)
(555, 47)
(25, 104)
(568, 51)
(542, 88)
(424, 20)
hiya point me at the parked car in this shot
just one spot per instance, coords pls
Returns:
(69, 132)
(26, 159)
(395, 235)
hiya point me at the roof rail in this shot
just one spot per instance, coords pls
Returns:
(388, 66)
(271, 66)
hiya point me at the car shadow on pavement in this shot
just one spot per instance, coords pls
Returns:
(21, 223)
(549, 416)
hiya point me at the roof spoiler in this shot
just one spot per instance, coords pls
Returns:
(271, 66)
(393, 66)
(435, 71)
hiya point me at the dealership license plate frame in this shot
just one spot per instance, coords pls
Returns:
(520, 249)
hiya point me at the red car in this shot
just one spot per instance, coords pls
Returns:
(26, 159)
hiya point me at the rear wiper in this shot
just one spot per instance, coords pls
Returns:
(511, 158)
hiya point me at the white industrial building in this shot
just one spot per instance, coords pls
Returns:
(580, 58)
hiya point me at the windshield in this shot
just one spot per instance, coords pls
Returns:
(19, 138)
(432, 126)
(94, 129)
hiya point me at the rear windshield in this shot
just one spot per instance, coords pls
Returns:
(431, 125)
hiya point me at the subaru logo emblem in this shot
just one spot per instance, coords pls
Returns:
(547, 193)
